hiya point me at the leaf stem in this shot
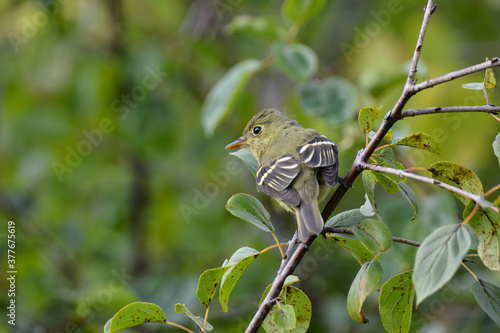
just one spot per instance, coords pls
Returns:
(206, 319)
(279, 245)
(179, 326)
(493, 189)
(472, 273)
(467, 219)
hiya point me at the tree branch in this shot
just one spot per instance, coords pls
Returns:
(402, 173)
(447, 109)
(456, 74)
(275, 290)
(390, 119)
(429, 9)
(341, 230)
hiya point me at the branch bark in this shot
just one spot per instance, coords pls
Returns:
(402, 173)
(495, 110)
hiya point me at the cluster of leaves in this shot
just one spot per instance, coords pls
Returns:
(363, 234)
(297, 61)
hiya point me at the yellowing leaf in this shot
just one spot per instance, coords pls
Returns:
(135, 314)
(421, 141)
(367, 118)
(486, 225)
(396, 303)
(366, 281)
(489, 78)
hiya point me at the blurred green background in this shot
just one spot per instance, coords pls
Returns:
(118, 195)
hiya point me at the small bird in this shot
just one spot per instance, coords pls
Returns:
(296, 166)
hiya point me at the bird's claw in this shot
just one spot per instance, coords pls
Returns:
(342, 182)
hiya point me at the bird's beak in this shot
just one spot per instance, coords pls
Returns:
(238, 143)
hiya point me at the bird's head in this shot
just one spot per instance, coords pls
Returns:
(260, 129)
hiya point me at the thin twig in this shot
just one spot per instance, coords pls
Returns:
(456, 74)
(274, 292)
(291, 244)
(429, 9)
(447, 109)
(341, 230)
(401, 173)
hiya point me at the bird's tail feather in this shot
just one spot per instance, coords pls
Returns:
(309, 220)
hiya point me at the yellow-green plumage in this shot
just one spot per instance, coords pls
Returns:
(296, 165)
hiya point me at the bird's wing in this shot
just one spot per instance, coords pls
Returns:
(275, 179)
(321, 153)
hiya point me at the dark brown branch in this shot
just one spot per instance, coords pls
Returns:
(342, 230)
(447, 109)
(278, 282)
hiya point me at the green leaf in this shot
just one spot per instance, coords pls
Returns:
(290, 279)
(241, 259)
(388, 135)
(300, 11)
(346, 219)
(438, 258)
(261, 27)
(297, 61)
(367, 280)
(301, 306)
(207, 284)
(473, 86)
(387, 155)
(410, 196)
(224, 93)
(488, 297)
(247, 157)
(388, 182)
(374, 234)
(356, 248)
(369, 181)
(396, 303)
(182, 309)
(367, 118)
(421, 141)
(333, 99)
(486, 225)
(496, 147)
(135, 314)
(284, 319)
(459, 176)
(250, 209)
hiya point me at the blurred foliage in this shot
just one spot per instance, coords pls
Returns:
(118, 196)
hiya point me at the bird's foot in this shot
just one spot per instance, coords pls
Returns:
(342, 182)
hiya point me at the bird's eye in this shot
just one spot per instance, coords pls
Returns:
(257, 130)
